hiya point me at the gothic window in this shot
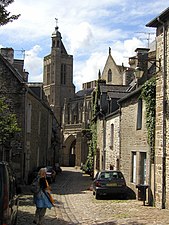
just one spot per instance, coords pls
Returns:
(112, 135)
(48, 74)
(63, 74)
(109, 75)
(139, 115)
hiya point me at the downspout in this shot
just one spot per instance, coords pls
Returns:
(119, 163)
(25, 162)
(104, 143)
(163, 117)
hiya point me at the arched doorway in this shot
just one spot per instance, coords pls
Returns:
(69, 155)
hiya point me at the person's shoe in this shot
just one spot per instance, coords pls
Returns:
(34, 221)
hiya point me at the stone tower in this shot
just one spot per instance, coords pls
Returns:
(58, 75)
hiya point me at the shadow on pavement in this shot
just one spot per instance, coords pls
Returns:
(79, 181)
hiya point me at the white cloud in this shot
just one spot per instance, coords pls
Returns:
(34, 64)
(88, 28)
(88, 70)
(80, 37)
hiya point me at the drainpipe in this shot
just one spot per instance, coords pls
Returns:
(104, 143)
(163, 117)
(119, 163)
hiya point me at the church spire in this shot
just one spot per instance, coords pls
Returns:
(56, 28)
(56, 33)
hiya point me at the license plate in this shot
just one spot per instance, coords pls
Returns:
(112, 185)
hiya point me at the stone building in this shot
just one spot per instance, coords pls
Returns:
(135, 154)
(112, 85)
(161, 179)
(122, 141)
(71, 109)
(34, 117)
(58, 75)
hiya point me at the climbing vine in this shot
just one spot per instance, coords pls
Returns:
(93, 131)
(149, 95)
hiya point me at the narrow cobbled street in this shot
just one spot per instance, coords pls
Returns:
(75, 204)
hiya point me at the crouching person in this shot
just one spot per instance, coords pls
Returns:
(42, 198)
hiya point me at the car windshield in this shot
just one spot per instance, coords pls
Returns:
(111, 175)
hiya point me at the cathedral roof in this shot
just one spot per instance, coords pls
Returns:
(114, 88)
(84, 92)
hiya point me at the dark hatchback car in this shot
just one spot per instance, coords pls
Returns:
(50, 174)
(9, 199)
(109, 182)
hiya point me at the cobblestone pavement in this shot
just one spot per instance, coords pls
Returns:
(75, 204)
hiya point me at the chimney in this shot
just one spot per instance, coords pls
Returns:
(8, 54)
(142, 58)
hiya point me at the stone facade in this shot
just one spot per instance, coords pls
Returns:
(134, 149)
(35, 119)
(58, 75)
(112, 73)
(111, 89)
(162, 111)
(113, 141)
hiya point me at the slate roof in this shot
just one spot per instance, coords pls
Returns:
(114, 88)
(164, 16)
(13, 70)
(84, 92)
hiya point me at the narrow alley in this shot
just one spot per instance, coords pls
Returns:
(75, 204)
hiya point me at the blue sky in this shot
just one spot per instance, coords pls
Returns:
(88, 28)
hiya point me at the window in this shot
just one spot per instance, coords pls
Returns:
(112, 135)
(143, 168)
(139, 115)
(29, 116)
(63, 74)
(109, 75)
(48, 74)
(133, 178)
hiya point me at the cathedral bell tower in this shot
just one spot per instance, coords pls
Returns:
(58, 75)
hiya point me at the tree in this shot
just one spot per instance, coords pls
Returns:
(8, 125)
(5, 16)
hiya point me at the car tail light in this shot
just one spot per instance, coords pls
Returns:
(98, 184)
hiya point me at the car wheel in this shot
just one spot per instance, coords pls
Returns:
(97, 196)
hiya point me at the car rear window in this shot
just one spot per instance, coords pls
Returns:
(111, 175)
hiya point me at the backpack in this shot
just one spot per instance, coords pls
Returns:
(35, 186)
